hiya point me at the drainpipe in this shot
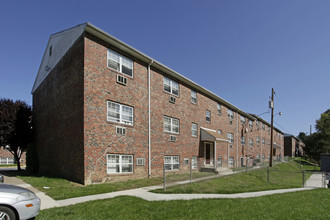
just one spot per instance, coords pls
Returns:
(149, 122)
(237, 139)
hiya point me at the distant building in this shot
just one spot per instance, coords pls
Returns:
(104, 111)
(293, 146)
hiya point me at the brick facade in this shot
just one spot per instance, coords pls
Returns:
(74, 137)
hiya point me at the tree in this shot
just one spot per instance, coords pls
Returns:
(318, 142)
(15, 127)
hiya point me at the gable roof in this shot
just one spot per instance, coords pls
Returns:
(62, 41)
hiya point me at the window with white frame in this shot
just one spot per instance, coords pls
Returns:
(193, 97)
(194, 129)
(263, 141)
(231, 162)
(219, 108)
(230, 137)
(171, 162)
(119, 113)
(219, 131)
(120, 63)
(268, 142)
(251, 142)
(230, 114)
(171, 125)
(208, 116)
(242, 140)
(250, 124)
(263, 126)
(242, 120)
(194, 162)
(118, 163)
(258, 141)
(186, 161)
(171, 86)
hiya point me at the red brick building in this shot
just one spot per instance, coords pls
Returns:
(293, 146)
(104, 111)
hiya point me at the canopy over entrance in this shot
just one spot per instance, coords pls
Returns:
(210, 135)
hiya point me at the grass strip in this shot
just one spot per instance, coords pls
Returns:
(297, 205)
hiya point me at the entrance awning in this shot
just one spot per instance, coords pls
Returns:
(210, 135)
(275, 146)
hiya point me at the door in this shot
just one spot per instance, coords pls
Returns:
(208, 153)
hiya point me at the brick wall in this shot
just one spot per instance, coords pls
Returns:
(58, 117)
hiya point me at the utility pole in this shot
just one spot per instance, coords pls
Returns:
(271, 105)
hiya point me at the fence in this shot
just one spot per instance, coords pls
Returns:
(7, 161)
(195, 170)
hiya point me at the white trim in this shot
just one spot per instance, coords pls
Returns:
(120, 62)
(208, 129)
(120, 163)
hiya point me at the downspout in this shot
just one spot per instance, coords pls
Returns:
(149, 122)
(237, 139)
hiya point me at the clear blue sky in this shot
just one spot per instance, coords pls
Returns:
(238, 49)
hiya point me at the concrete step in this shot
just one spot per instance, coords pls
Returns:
(224, 170)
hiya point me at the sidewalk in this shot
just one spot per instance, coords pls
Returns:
(144, 193)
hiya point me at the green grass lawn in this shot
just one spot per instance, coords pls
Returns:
(311, 204)
(64, 189)
(284, 175)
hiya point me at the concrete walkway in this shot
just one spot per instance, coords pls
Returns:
(144, 193)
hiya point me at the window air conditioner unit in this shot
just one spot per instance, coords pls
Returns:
(121, 80)
(246, 130)
(121, 130)
(172, 99)
(172, 138)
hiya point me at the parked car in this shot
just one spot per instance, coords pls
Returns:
(18, 203)
(2, 179)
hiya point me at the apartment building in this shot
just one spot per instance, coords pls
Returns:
(293, 146)
(105, 111)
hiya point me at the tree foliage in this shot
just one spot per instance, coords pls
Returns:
(318, 142)
(15, 127)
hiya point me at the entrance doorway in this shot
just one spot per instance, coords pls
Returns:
(208, 153)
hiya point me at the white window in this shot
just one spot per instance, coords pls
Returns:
(208, 116)
(250, 124)
(268, 142)
(171, 162)
(230, 137)
(171, 125)
(194, 129)
(120, 63)
(251, 142)
(230, 114)
(141, 161)
(242, 120)
(117, 163)
(219, 109)
(257, 124)
(263, 141)
(258, 141)
(186, 161)
(171, 86)
(231, 162)
(242, 140)
(193, 97)
(263, 126)
(120, 113)
(219, 131)
(194, 162)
